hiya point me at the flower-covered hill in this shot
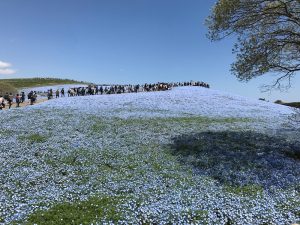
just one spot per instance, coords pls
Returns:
(186, 156)
(180, 101)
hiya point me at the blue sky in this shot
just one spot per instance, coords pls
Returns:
(120, 41)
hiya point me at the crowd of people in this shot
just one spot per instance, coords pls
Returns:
(19, 98)
(8, 98)
(120, 89)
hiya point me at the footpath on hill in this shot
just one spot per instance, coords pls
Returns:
(24, 104)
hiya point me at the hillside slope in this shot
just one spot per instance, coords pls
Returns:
(186, 156)
(181, 101)
(19, 83)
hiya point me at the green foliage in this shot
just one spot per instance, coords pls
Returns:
(268, 36)
(250, 190)
(205, 120)
(290, 205)
(90, 211)
(292, 104)
(196, 216)
(5, 132)
(34, 138)
(36, 82)
(98, 126)
(117, 125)
(7, 88)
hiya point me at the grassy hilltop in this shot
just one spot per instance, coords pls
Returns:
(12, 85)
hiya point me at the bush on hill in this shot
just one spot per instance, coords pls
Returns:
(278, 102)
(293, 104)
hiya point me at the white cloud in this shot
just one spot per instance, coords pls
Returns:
(7, 71)
(4, 64)
(5, 68)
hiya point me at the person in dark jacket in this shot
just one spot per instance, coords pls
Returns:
(62, 92)
(22, 97)
(57, 94)
(18, 100)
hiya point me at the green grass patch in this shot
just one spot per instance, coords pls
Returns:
(205, 120)
(192, 119)
(115, 125)
(77, 157)
(34, 138)
(290, 205)
(165, 125)
(23, 163)
(5, 132)
(195, 216)
(250, 190)
(91, 211)
(98, 127)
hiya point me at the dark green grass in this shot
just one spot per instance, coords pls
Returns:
(81, 212)
(95, 210)
(34, 138)
(247, 190)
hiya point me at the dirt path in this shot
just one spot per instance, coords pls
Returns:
(24, 104)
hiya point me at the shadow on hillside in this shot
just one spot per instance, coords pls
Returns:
(240, 158)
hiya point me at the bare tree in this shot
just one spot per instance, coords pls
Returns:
(268, 37)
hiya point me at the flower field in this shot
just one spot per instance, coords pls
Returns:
(187, 156)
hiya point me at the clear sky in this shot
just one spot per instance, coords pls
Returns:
(120, 41)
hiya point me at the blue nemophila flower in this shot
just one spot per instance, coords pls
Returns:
(186, 156)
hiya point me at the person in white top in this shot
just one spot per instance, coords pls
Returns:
(2, 104)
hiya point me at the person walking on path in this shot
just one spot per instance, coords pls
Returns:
(31, 97)
(23, 97)
(10, 100)
(48, 95)
(18, 100)
(62, 92)
(57, 94)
